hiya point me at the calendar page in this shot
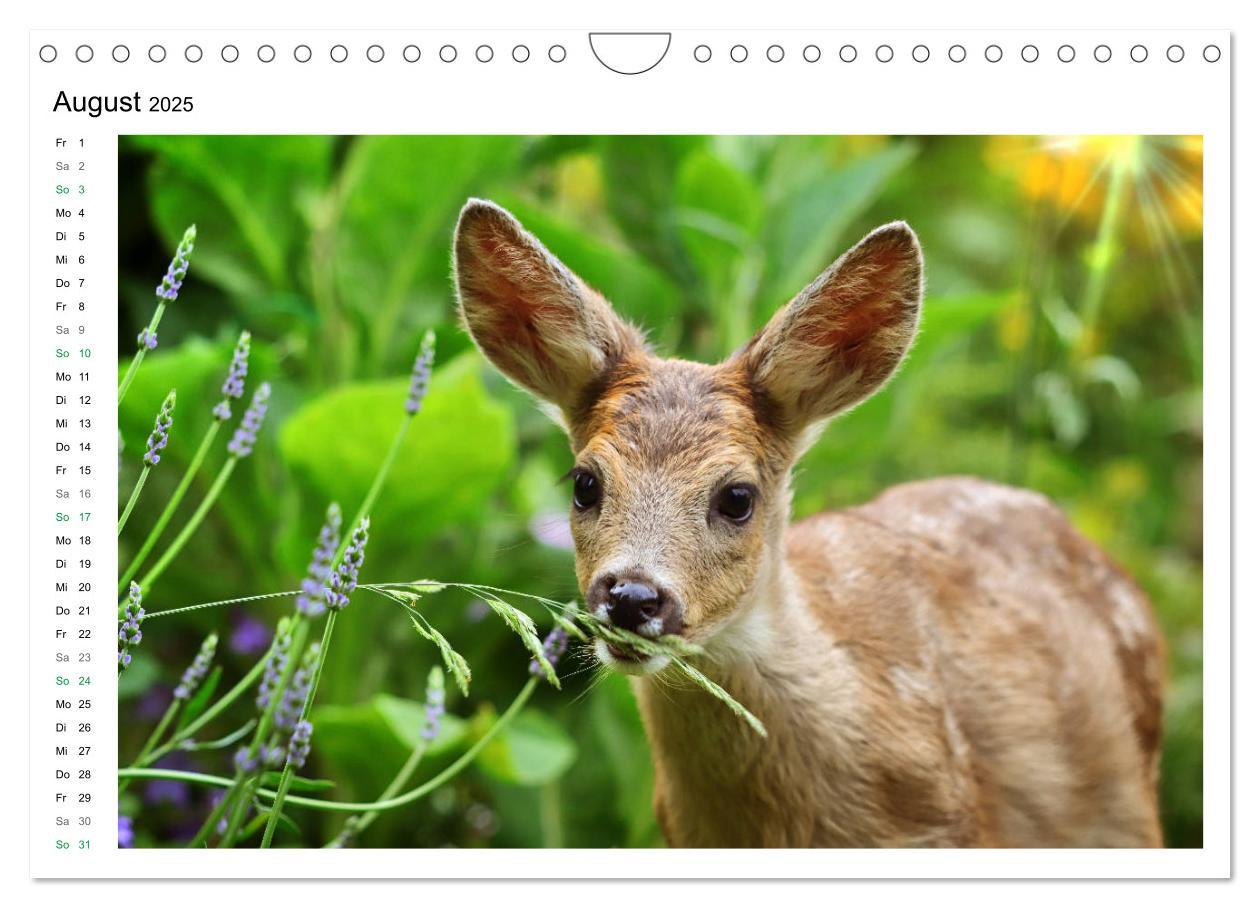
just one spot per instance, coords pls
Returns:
(568, 451)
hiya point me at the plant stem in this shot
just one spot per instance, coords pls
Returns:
(552, 815)
(357, 824)
(158, 731)
(1103, 257)
(402, 800)
(296, 644)
(131, 503)
(378, 482)
(286, 776)
(211, 713)
(193, 522)
(169, 511)
(139, 357)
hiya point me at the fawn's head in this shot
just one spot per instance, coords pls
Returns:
(681, 476)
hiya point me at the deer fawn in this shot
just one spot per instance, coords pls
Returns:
(950, 664)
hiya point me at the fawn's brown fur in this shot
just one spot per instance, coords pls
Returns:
(950, 664)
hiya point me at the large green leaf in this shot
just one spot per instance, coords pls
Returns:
(456, 453)
(365, 744)
(718, 213)
(246, 195)
(395, 209)
(640, 172)
(532, 750)
(806, 229)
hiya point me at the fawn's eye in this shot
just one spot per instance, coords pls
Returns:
(585, 490)
(735, 502)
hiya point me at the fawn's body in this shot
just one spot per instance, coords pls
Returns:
(950, 664)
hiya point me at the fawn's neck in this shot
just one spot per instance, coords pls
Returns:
(719, 781)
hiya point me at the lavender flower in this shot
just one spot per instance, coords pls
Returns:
(244, 761)
(249, 636)
(310, 601)
(222, 826)
(126, 832)
(277, 660)
(129, 631)
(147, 339)
(168, 290)
(343, 580)
(300, 744)
(196, 673)
(420, 375)
(242, 443)
(161, 430)
(434, 705)
(293, 701)
(553, 646)
(234, 384)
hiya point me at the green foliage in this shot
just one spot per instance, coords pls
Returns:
(1039, 362)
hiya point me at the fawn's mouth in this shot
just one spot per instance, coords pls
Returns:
(626, 661)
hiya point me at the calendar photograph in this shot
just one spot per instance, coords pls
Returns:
(660, 491)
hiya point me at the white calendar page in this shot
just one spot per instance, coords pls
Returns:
(295, 530)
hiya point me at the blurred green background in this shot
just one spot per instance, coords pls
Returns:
(1060, 349)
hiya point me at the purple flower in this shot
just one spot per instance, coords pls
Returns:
(293, 702)
(553, 646)
(434, 705)
(161, 430)
(169, 791)
(300, 744)
(552, 529)
(421, 372)
(129, 630)
(126, 832)
(244, 761)
(196, 673)
(343, 580)
(168, 290)
(310, 601)
(277, 660)
(249, 636)
(234, 384)
(147, 339)
(242, 443)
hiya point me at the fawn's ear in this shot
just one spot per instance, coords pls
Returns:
(842, 336)
(532, 317)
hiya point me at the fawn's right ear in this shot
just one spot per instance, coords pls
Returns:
(845, 334)
(532, 317)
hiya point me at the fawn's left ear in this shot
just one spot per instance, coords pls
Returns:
(842, 336)
(532, 317)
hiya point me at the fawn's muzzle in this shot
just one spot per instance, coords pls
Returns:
(634, 603)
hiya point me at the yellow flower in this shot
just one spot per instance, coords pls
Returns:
(1161, 176)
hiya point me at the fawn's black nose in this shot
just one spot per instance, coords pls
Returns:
(636, 604)
(631, 604)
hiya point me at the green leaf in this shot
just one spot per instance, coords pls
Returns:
(532, 750)
(271, 779)
(458, 450)
(405, 719)
(399, 197)
(718, 213)
(197, 705)
(362, 746)
(240, 191)
(641, 171)
(456, 665)
(806, 231)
